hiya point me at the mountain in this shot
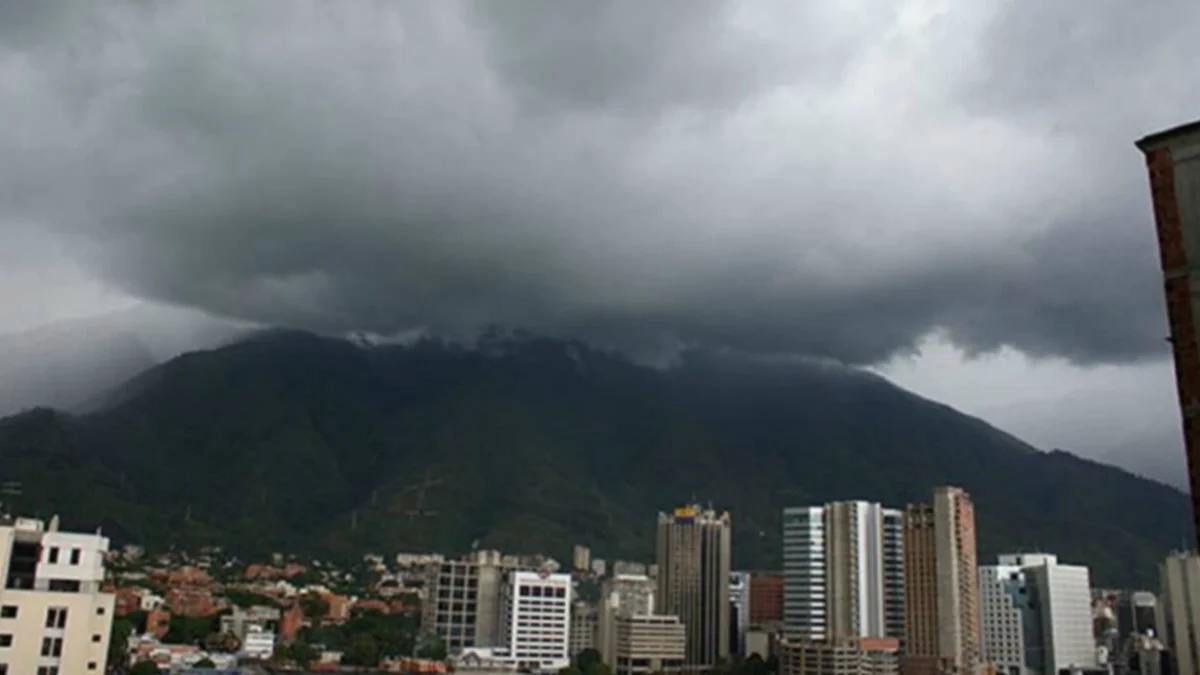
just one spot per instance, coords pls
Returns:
(288, 440)
(68, 364)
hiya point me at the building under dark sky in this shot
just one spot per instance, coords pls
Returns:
(1173, 162)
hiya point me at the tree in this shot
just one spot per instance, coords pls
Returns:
(205, 663)
(598, 668)
(363, 650)
(118, 642)
(144, 668)
(570, 670)
(314, 606)
(586, 658)
(432, 646)
(221, 642)
(302, 653)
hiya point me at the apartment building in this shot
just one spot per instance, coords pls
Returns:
(54, 620)
(766, 599)
(1179, 610)
(585, 620)
(842, 572)
(693, 561)
(941, 591)
(649, 644)
(462, 602)
(622, 596)
(537, 620)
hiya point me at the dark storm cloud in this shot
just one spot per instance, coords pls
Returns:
(777, 176)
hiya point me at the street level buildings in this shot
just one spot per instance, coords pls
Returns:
(941, 585)
(54, 619)
(693, 558)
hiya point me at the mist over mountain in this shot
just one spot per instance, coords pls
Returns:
(69, 365)
(292, 441)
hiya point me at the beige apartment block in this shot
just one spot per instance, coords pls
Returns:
(54, 620)
(941, 589)
(850, 656)
(649, 644)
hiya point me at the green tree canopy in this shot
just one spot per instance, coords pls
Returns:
(598, 668)
(570, 670)
(314, 606)
(118, 642)
(586, 658)
(205, 663)
(363, 650)
(144, 668)
(431, 646)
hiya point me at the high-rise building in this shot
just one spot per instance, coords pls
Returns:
(1063, 595)
(537, 620)
(693, 561)
(1173, 162)
(1036, 615)
(1179, 610)
(766, 599)
(54, 619)
(843, 572)
(940, 585)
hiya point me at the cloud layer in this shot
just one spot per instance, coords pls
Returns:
(826, 178)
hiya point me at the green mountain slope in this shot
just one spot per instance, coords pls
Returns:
(293, 441)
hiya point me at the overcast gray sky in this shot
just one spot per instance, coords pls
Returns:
(947, 192)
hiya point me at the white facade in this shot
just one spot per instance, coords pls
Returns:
(258, 643)
(843, 571)
(1065, 595)
(1003, 600)
(1036, 615)
(537, 620)
(53, 618)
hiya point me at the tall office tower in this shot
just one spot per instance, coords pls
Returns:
(1063, 595)
(843, 572)
(1173, 162)
(1179, 610)
(53, 617)
(940, 585)
(537, 620)
(693, 579)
